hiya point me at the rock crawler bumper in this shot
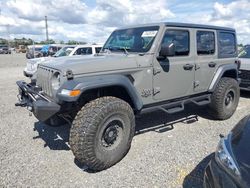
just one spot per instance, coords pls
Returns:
(30, 96)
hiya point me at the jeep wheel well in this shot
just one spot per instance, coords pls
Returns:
(114, 91)
(230, 74)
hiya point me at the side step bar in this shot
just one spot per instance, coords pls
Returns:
(178, 106)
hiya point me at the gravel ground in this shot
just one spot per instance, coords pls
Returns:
(168, 150)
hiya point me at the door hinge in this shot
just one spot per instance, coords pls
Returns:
(156, 70)
(196, 84)
(156, 90)
(197, 67)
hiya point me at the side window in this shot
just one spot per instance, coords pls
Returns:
(180, 39)
(97, 49)
(227, 45)
(205, 42)
(83, 51)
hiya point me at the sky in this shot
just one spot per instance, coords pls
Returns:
(94, 20)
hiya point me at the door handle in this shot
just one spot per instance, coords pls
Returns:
(188, 67)
(212, 64)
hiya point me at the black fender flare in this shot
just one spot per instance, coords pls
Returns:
(220, 72)
(94, 82)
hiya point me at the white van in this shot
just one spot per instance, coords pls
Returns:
(88, 50)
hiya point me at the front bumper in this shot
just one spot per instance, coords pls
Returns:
(30, 96)
(216, 177)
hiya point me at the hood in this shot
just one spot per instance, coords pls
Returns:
(241, 147)
(39, 60)
(92, 64)
(245, 63)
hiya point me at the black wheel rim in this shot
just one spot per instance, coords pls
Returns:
(112, 134)
(229, 99)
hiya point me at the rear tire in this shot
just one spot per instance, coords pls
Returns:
(102, 132)
(225, 98)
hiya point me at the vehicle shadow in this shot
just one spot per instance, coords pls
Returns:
(160, 121)
(195, 178)
(56, 138)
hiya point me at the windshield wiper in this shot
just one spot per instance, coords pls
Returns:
(116, 48)
(124, 49)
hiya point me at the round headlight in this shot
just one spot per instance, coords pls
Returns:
(55, 81)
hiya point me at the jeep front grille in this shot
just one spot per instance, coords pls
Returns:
(44, 75)
(244, 75)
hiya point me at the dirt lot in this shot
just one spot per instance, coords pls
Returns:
(168, 150)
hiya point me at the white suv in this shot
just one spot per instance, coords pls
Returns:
(88, 50)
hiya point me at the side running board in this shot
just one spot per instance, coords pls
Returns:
(178, 106)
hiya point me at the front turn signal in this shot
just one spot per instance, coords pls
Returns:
(70, 93)
(74, 93)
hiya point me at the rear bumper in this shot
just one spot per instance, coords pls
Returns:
(41, 106)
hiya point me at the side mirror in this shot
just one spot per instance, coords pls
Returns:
(166, 50)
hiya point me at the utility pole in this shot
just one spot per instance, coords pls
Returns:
(46, 27)
(8, 34)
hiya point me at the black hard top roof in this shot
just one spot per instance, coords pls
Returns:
(175, 24)
(200, 26)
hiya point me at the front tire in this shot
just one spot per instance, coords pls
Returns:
(225, 98)
(102, 132)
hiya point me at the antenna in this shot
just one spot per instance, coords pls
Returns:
(46, 27)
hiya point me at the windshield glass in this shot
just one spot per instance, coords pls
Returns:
(245, 53)
(63, 52)
(132, 40)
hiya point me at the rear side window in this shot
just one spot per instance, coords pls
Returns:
(227, 45)
(180, 39)
(83, 51)
(205, 42)
(97, 49)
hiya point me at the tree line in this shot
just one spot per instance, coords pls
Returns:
(24, 41)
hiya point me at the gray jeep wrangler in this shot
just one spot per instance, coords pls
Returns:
(140, 69)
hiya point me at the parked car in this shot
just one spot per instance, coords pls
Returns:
(230, 167)
(50, 49)
(86, 49)
(33, 51)
(69, 50)
(4, 49)
(244, 57)
(140, 69)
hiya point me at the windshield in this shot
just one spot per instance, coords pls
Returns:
(63, 52)
(132, 40)
(245, 53)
